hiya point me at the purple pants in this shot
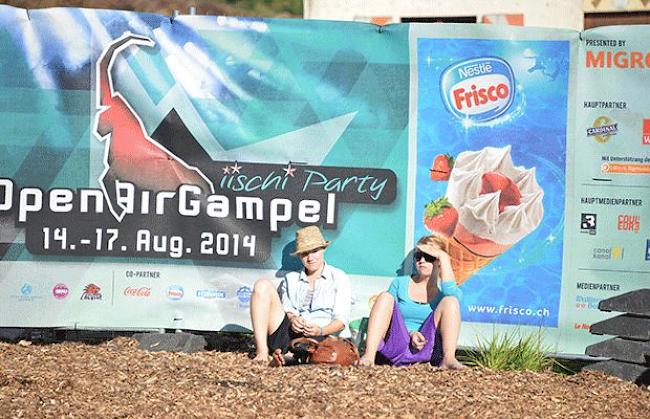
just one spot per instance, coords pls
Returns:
(396, 348)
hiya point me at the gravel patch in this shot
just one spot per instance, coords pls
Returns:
(117, 380)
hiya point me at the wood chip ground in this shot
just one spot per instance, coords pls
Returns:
(117, 380)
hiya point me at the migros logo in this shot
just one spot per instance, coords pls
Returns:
(479, 89)
(618, 59)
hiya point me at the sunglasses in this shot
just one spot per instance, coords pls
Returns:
(427, 257)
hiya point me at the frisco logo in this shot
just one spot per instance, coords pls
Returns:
(175, 292)
(60, 291)
(137, 292)
(479, 89)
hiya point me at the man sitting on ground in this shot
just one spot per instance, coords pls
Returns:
(314, 302)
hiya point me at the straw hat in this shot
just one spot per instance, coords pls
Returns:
(309, 238)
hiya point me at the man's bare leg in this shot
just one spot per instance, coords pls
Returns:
(266, 316)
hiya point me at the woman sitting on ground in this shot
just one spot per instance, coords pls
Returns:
(416, 317)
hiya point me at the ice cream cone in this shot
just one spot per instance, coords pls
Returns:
(464, 262)
(498, 204)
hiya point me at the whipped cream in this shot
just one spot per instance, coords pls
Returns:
(479, 214)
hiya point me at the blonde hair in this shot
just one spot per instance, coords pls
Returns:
(424, 240)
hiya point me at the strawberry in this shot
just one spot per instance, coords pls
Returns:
(510, 195)
(440, 217)
(441, 167)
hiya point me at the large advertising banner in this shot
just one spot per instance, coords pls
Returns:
(609, 239)
(490, 170)
(152, 169)
(489, 147)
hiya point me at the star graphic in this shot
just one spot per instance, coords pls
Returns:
(226, 170)
(289, 170)
(235, 168)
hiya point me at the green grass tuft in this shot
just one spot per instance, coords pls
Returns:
(511, 352)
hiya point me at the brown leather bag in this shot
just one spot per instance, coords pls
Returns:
(331, 351)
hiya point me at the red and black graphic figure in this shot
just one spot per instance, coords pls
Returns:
(131, 155)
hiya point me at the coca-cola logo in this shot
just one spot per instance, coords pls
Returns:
(60, 291)
(137, 291)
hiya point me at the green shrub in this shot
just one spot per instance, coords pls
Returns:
(510, 352)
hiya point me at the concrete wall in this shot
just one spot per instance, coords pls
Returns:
(544, 13)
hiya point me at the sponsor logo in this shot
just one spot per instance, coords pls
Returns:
(647, 249)
(26, 290)
(608, 253)
(628, 223)
(602, 129)
(26, 293)
(597, 286)
(244, 296)
(581, 326)
(60, 291)
(585, 302)
(645, 137)
(137, 292)
(210, 294)
(618, 59)
(91, 292)
(588, 223)
(175, 292)
(479, 89)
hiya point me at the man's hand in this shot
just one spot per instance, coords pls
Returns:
(298, 324)
(417, 340)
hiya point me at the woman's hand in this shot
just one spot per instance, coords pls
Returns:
(444, 261)
(434, 250)
(418, 340)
